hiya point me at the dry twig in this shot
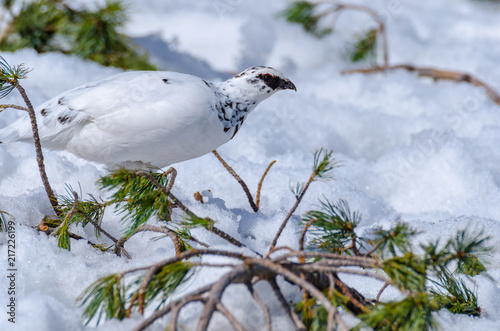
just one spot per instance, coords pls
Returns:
(3, 107)
(259, 186)
(38, 148)
(435, 74)
(238, 178)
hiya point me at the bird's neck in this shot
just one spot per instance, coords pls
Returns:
(232, 105)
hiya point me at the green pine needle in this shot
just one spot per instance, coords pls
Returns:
(62, 234)
(365, 47)
(407, 272)
(36, 26)
(457, 297)
(467, 248)
(193, 221)
(164, 283)
(394, 241)
(137, 198)
(9, 75)
(106, 295)
(412, 313)
(3, 220)
(333, 226)
(303, 13)
(53, 26)
(92, 208)
(323, 164)
(315, 316)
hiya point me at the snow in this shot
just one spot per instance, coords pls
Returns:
(412, 149)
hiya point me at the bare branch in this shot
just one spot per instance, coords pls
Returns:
(97, 226)
(290, 213)
(173, 174)
(144, 284)
(38, 148)
(293, 316)
(381, 291)
(215, 294)
(262, 305)
(297, 280)
(259, 186)
(436, 74)
(234, 322)
(3, 107)
(171, 234)
(238, 178)
(303, 233)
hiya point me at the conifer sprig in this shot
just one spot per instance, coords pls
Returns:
(55, 26)
(304, 13)
(466, 248)
(3, 220)
(137, 197)
(395, 241)
(333, 227)
(9, 75)
(106, 296)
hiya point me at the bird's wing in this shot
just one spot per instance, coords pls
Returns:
(128, 104)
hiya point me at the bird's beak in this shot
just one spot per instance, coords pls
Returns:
(288, 85)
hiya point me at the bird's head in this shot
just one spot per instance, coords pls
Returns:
(266, 79)
(259, 83)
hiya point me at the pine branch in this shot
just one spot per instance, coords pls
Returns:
(323, 165)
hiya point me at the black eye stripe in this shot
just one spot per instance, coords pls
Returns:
(270, 80)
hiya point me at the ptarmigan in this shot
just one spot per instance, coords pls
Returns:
(147, 118)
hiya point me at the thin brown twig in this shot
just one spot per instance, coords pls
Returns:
(346, 291)
(290, 312)
(230, 317)
(143, 228)
(195, 296)
(3, 107)
(215, 294)
(297, 280)
(38, 148)
(173, 174)
(97, 226)
(303, 234)
(262, 306)
(238, 178)
(436, 74)
(144, 284)
(381, 290)
(259, 186)
(290, 213)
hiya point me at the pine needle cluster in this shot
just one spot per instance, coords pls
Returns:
(320, 17)
(55, 26)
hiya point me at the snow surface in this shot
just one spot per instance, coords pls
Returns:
(422, 151)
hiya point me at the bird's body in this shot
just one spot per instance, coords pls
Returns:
(148, 118)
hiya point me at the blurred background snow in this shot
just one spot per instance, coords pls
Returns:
(422, 151)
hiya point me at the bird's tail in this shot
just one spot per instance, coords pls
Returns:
(12, 133)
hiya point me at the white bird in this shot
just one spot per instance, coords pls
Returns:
(148, 118)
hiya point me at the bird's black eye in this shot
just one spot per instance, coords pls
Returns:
(267, 78)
